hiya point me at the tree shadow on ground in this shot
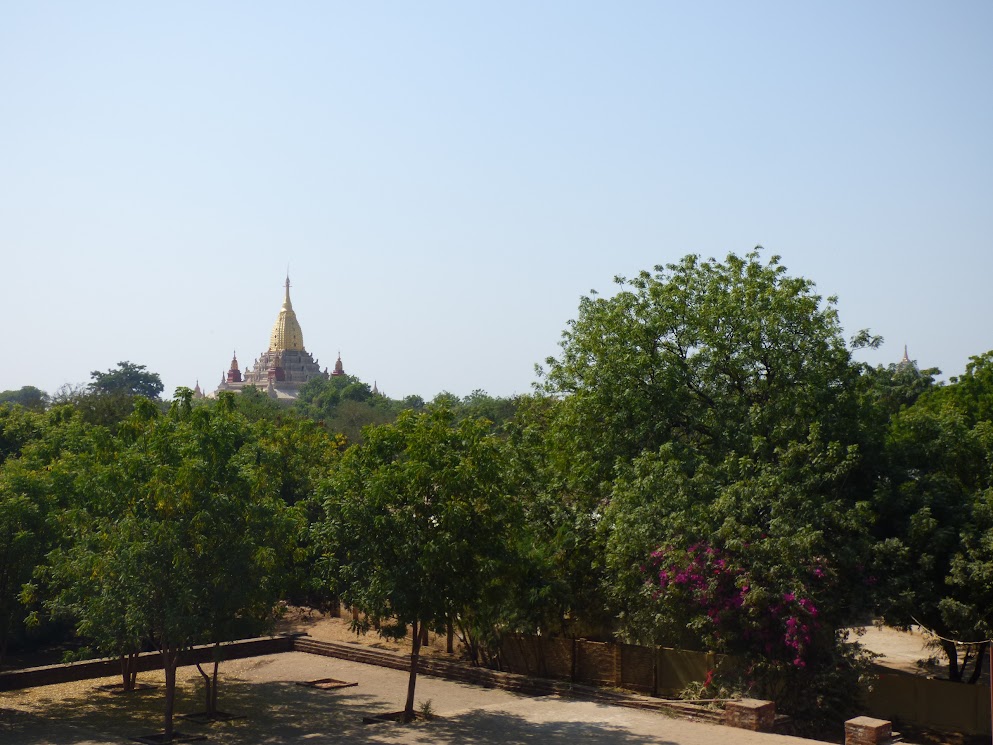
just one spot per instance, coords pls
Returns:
(274, 712)
(280, 713)
(25, 728)
(488, 727)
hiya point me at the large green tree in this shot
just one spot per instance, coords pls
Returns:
(934, 529)
(416, 524)
(713, 403)
(127, 379)
(177, 539)
(40, 455)
(27, 396)
(110, 396)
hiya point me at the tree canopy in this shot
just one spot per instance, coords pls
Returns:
(27, 396)
(935, 536)
(176, 536)
(710, 406)
(127, 379)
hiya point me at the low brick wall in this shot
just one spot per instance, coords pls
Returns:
(86, 670)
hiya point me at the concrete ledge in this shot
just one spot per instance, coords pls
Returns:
(32, 677)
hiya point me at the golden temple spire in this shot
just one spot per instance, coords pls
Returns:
(286, 333)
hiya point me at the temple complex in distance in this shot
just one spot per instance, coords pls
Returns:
(285, 366)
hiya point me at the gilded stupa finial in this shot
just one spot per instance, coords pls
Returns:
(286, 333)
(286, 299)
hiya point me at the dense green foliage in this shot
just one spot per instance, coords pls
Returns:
(128, 379)
(712, 404)
(174, 535)
(934, 501)
(345, 404)
(703, 465)
(417, 524)
(27, 396)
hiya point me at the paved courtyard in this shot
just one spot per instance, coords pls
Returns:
(275, 710)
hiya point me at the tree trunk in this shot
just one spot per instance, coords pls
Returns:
(213, 696)
(450, 641)
(210, 684)
(207, 685)
(424, 635)
(5, 625)
(977, 671)
(408, 711)
(169, 661)
(129, 670)
(954, 671)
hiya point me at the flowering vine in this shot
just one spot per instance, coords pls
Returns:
(732, 606)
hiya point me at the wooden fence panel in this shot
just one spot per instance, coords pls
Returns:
(679, 667)
(595, 663)
(931, 703)
(637, 668)
(606, 663)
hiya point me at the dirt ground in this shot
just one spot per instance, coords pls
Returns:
(900, 650)
(907, 651)
(327, 628)
(273, 709)
(263, 690)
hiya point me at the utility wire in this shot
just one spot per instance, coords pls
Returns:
(936, 635)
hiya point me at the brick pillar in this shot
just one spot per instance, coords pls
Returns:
(868, 731)
(750, 714)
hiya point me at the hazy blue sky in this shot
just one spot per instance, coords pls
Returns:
(445, 180)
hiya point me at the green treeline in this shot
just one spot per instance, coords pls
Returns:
(703, 465)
